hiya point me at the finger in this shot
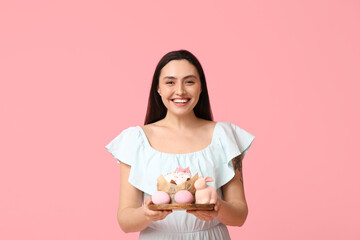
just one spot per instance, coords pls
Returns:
(191, 211)
(203, 215)
(148, 201)
(208, 216)
(153, 213)
(200, 216)
(167, 213)
(208, 219)
(195, 213)
(218, 204)
(161, 216)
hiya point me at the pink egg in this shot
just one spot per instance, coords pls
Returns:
(160, 197)
(183, 196)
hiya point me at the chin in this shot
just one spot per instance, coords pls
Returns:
(180, 113)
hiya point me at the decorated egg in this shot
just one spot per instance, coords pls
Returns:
(160, 197)
(183, 197)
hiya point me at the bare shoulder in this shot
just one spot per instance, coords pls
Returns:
(153, 125)
(207, 125)
(153, 128)
(210, 123)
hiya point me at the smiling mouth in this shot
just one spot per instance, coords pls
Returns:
(183, 100)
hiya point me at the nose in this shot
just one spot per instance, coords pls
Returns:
(180, 89)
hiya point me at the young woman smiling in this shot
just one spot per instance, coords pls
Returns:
(179, 131)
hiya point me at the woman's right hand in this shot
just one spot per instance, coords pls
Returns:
(154, 215)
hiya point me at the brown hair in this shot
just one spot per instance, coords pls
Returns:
(156, 109)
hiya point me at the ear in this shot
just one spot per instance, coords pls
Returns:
(158, 90)
(209, 179)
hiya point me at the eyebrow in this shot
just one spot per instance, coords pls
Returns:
(186, 77)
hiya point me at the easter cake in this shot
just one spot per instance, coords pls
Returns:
(179, 190)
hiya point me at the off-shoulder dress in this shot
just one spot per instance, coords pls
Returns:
(132, 147)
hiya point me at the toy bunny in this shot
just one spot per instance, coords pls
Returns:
(204, 194)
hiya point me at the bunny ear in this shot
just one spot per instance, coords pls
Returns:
(209, 179)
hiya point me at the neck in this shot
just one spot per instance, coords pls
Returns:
(180, 122)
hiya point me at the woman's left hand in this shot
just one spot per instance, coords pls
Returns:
(207, 216)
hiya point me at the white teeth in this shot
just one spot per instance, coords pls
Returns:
(180, 100)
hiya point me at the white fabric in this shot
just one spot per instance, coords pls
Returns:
(132, 147)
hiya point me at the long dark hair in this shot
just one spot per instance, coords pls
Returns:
(156, 109)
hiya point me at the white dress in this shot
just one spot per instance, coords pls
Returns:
(132, 147)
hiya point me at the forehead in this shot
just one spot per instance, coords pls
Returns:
(178, 68)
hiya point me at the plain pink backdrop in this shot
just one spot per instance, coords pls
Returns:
(74, 74)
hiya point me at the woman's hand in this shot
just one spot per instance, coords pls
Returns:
(153, 215)
(208, 216)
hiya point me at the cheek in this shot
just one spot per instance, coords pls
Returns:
(165, 95)
(165, 92)
(196, 92)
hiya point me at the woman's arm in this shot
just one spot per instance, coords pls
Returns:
(233, 209)
(132, 215)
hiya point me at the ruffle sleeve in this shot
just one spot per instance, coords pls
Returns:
(128, 147)
(125, 146)
(234, 141)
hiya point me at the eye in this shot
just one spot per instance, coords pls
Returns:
(170, 82)
(190, 82)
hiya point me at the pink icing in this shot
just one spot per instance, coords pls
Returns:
(180, 169)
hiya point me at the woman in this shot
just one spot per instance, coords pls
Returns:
(179, 131)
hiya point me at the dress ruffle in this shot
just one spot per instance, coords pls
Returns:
(133, 148)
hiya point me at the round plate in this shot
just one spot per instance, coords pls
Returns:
(201, 207)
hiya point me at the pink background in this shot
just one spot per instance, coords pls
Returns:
(74, 74)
